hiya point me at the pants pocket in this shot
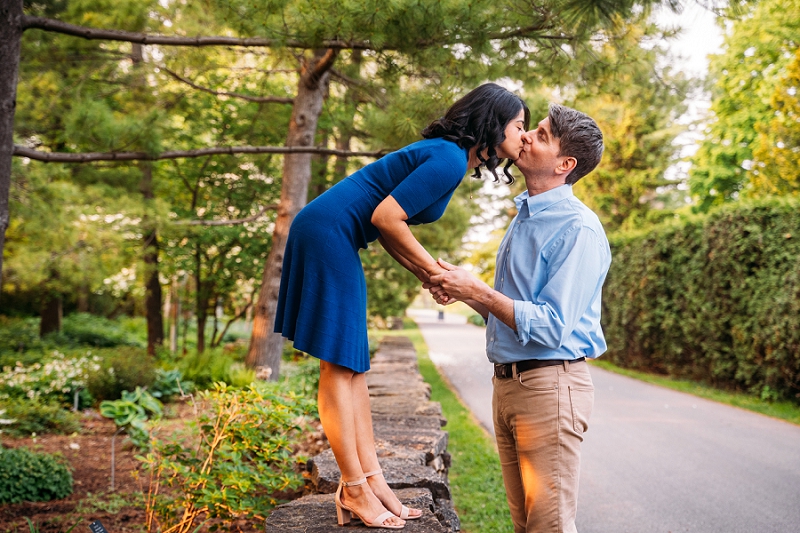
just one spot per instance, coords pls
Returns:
(581, 401)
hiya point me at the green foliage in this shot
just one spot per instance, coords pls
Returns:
(714, 299)
(84, 329)
(215, 365)
(121, 369)
(637, 112)
(20, 341)
(777, 154)
(237, 462)
(169, 383)
(476, 320)
(132, 412)
(32, 477)
(22, 417)
(759, 46)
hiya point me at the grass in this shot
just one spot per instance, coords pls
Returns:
(475, 477)
(783, 410)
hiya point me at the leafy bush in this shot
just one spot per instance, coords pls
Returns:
(477, 320)
(56, 379)
(213, 366)
(131, 413)
(240, 458)
(23, 417)
(121, 369)
(18, 335)
(714, 298)
(90, 330)
(20, 341)
(32, 477)
(170, 383)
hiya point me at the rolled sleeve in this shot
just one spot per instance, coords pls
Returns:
(574, 277)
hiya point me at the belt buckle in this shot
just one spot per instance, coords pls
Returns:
(501, 370)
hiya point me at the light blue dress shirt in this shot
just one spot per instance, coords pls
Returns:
(552, 262)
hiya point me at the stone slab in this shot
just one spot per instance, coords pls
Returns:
(317, 514)
(431, 442)
(409, 421)
(400, 472)
(403, 405)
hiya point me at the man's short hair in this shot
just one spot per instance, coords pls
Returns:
(579, 137)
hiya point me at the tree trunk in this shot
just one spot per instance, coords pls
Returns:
(10, 39)
(266, 347)
(51, 315)
(152, 285)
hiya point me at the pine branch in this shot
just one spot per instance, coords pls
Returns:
(42, 23)
(257, 99)
(65, 157)
(29, 22)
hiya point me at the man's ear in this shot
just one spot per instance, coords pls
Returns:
(567, 165)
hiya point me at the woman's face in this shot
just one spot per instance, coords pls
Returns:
(511, 147)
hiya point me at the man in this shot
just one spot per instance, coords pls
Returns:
(543, 322)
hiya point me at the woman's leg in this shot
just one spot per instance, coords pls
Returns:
(365, 445)
(337, 412)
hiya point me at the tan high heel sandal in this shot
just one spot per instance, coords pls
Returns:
(404, 510)
(343, 512)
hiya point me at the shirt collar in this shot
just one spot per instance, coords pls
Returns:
(542, 201)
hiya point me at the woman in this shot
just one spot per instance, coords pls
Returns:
(322, 300)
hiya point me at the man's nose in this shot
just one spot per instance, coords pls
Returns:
(527, 137)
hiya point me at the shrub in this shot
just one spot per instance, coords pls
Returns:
(57, 379)
(170, 383)
(476, 320)
(122, 368)
(32, 477)
(18, 335)
(215, 365)
(240, 458)
(91, 330)
(131, 413)
(37, 416)
(714, 298)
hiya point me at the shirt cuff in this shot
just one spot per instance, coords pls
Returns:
(522, 318)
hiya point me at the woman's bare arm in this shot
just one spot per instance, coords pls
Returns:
(390, 219)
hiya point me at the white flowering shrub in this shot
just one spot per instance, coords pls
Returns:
(57, 379)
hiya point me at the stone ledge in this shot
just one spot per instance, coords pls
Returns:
(411, 447)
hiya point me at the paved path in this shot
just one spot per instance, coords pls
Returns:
(654, 460)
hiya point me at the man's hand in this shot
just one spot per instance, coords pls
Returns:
(457, 283)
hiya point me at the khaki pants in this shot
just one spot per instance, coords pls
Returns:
(539, 420)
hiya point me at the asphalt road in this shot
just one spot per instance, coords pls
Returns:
(654, 460)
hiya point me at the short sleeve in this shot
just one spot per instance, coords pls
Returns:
(436, 177)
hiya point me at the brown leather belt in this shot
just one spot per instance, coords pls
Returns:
(502, 371)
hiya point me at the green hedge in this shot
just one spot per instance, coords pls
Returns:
(714, 298)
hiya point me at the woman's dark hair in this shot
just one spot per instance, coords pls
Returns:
(479, 119)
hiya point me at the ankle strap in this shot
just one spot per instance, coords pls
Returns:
(353, 483)
(373, 473)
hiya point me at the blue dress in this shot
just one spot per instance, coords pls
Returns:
(322, 304)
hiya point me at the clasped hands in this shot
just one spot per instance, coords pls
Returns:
(451, 284)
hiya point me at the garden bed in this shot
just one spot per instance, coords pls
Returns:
(88, 453)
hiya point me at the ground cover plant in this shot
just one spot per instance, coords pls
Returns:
(32, 476)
